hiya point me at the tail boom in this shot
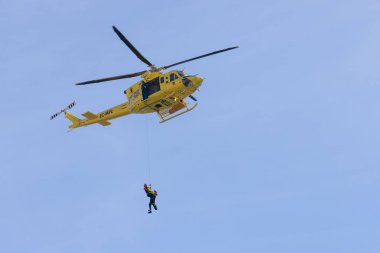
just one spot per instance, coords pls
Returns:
(100, 118)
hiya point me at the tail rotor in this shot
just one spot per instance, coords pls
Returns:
(63, 110)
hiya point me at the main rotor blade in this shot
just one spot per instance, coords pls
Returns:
(133, 49)
(202, 56)
(112, 78)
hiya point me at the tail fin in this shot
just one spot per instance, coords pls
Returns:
(73, 119)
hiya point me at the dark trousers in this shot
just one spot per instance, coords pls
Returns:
(152, 202)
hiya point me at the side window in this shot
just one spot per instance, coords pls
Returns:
(162, 79)
(150, 88)
(173, 77)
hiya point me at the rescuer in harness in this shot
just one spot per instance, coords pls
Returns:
(152, 195)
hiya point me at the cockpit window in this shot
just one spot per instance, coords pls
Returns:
(181, 73)
(186, 81)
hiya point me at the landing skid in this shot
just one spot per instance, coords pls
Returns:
(164, 119)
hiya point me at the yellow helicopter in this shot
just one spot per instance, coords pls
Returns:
(163, 93)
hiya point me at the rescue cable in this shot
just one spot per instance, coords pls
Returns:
(148, 147)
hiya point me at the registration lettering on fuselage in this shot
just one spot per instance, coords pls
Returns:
(103, 114)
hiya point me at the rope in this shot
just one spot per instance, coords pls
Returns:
(148, 146)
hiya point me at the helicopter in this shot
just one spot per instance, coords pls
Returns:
(161, 92)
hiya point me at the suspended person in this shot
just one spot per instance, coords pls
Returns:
(152, 195)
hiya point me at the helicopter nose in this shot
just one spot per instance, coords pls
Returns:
(197, 81)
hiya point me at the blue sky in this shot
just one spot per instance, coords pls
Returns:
(281, 155)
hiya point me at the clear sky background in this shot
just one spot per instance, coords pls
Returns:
(281, 155)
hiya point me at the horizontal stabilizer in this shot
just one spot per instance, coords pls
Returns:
(104, 123)
(89, 115)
